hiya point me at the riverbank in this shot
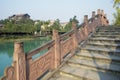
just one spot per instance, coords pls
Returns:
(20, 38)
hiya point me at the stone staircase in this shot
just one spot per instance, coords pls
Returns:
(98, 59)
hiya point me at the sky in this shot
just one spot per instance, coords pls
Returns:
(55, 9)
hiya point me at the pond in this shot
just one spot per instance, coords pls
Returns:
(7, 48)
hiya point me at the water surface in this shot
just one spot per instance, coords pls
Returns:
(7, 48)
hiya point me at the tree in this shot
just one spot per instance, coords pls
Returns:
(69, 25)
(116, 3)
(116, 15)
(56, 25)
(18, 26)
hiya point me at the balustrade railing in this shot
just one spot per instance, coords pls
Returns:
(24, 67)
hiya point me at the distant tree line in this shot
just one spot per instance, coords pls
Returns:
(20, 26)
(29, 26)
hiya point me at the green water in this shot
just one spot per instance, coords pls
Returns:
(7, 48)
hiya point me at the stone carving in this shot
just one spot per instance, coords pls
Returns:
(21, 68)
(39, 66)
(9, 74)
(66, 46)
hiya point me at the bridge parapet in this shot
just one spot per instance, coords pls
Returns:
(26, 68)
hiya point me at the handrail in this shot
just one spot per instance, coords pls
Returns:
(66, 34)
(35, 51)
(82, 24)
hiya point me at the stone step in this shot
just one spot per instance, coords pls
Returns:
(107, 36)
(110, 47)
(100, 51)
(103, 44)
(86, 74)
(108, 30)
(105, 40)
(104, 33)
(95, 65)
(109, 39)
(60, 76)
(100, 56)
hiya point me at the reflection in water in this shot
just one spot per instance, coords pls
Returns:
(7, 48)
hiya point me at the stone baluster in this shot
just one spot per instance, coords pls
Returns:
(98, 12)
(93, 16)
(74, 36)
(86, 25)
(99, 17)
(57, 52)
(86, 19)
(102, 18)
(20, 59)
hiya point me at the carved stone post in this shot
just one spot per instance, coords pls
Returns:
(102, 18)
(86, 25)
(99, 17)
(20, 59)
(57, 55)
(106, 21)
(93, 24)
(93, 16)
(98, 12)
(74, 36)
(86, 19)
(102, 12)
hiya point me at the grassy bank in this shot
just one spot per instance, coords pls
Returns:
(16, 38)
(20, 38)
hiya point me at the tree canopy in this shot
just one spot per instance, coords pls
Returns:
(116, 15)
(69, 25)
(20, 26)
(38, 26)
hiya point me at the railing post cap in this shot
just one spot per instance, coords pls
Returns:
(55, 34)
(55, 31)
(102, 12)
(93, 13)
(74, 24)
(85, 16)
(98, 11)
(18, 46)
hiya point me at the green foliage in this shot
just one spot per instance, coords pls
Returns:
(38, 26)
(117, 17)
(117, 14)
(56, 25)
(69, 25)
(29, 26)
(116, 3)
(18, 26)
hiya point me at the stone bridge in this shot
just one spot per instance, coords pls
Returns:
(67, 54)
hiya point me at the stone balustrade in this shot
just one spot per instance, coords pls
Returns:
(24, 67)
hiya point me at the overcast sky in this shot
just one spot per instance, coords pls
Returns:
(53, 9)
